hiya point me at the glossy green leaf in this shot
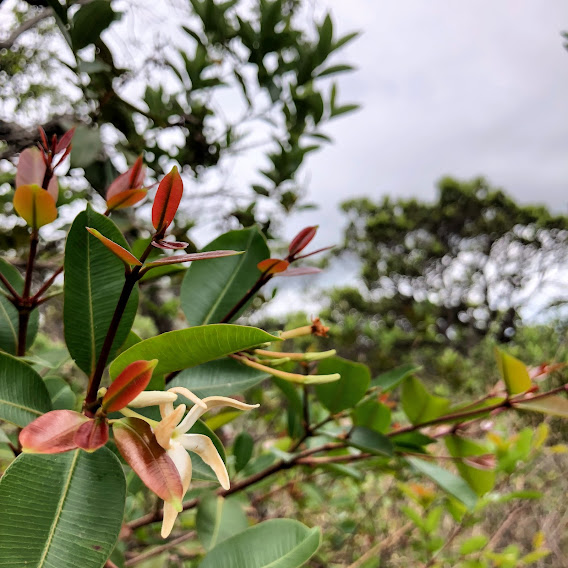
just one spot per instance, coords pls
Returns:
(218, 378)
(391, 379)
(480, 480)
(94, 278)
(348, 390)
(61, 511)
(211, 288)
(368, 440)
(23, 395)
(448, 481)
(90, 21)
(414, 441)
(242, 450)
(278, 543)
(62, 397)
(553, 405)
(218, 519)
(418, 404)
(9, 314)
(513, 372)
(373, 415)
(184, 348)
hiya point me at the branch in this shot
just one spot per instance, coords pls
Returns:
(28, 24)
(159, 549)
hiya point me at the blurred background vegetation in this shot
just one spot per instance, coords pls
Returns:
(441, 282)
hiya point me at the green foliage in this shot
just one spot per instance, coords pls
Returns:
(218, 519)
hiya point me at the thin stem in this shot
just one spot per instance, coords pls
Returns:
(46, 285)
(25, 309)
(159, 549)
(10, 288)
(262, 280)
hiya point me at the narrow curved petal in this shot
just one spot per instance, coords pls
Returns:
(170, 516)
(189, 395)
(197, 412)
(152, 398)
(164, 430)
(206, 450)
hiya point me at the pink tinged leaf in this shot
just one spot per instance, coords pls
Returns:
(128, 385)
(300, 271)
(138, 446)
(64, 141)
(126, 198)
(31, 171)
(115, 248)
(169, 245)
(193, 256)
(92, 435)
(120, 184)
(167, 200)
(272, 266)
(52, 433)
(137, 174)
(302, 240)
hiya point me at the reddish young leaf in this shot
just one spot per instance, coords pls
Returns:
(128, 385)
(314, 252)
(300, 271)
(35, 205)
(116, 249)
(92, 435)
(302, 240)
(31, 170)
(131, 179)
(126, 198)
(52, 433)
(193, 256)
(138, 446)
(137, 173)
(167, 200)
(169, 245)
(64, 141)
(272, 266)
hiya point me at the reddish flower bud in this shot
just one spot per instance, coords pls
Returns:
(302, 240)
(128, 385)
(167, 200)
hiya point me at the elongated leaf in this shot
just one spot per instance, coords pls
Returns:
(278, 543)
(553, 405)
(128, 385)
(211, 289)
(127, 257)
(349, 389)
(61, 511)
(418, 404)
(167, 200)
(9, 314)
(23, 395)
(184, 348)
(514, 372)
(218, 519)
(176, 259)
(94, 278)
(371, 441)
(221, 378)
(62, 397)
(373, 415)
(90, 21)
(242, 450)
(53, 432)
(448, 481)
(391, 379)
(302, 240)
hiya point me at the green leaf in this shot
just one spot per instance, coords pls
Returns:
(373, 415)
(184, 348)
(218, 378)
(87, 146)
(9, 314)
(391, 379)
(90, 21)
(61, 511)
(211, 288)
(553, 405)
(94, 278)
(218, 519)
(62, 397)
(348, 390)
(449, 482)
(278, 543)
(474, 544)
(242, 450)
(514, 372)
(23, 395)
(418, 404)
(368, 440)
(335, 69)
(480, 480)
(412, 440)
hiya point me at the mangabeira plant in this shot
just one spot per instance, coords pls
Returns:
(63, 496)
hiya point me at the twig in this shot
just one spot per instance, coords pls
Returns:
(159, 549)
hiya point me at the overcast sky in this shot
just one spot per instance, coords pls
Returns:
(461, 88)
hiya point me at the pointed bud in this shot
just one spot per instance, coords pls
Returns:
(272, 266)
(128, 385)
(92, 435)
(65, 141)
(35, 205)
(167, 200)
(302, 240)
(52, 433)
(139, 447)
(126, 257)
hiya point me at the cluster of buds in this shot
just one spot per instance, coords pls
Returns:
(156, 450)
(37, 188)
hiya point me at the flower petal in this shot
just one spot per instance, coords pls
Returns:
(52, 433)
(189, 395)
(152, 398)
(206, 450)
(164, 430)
